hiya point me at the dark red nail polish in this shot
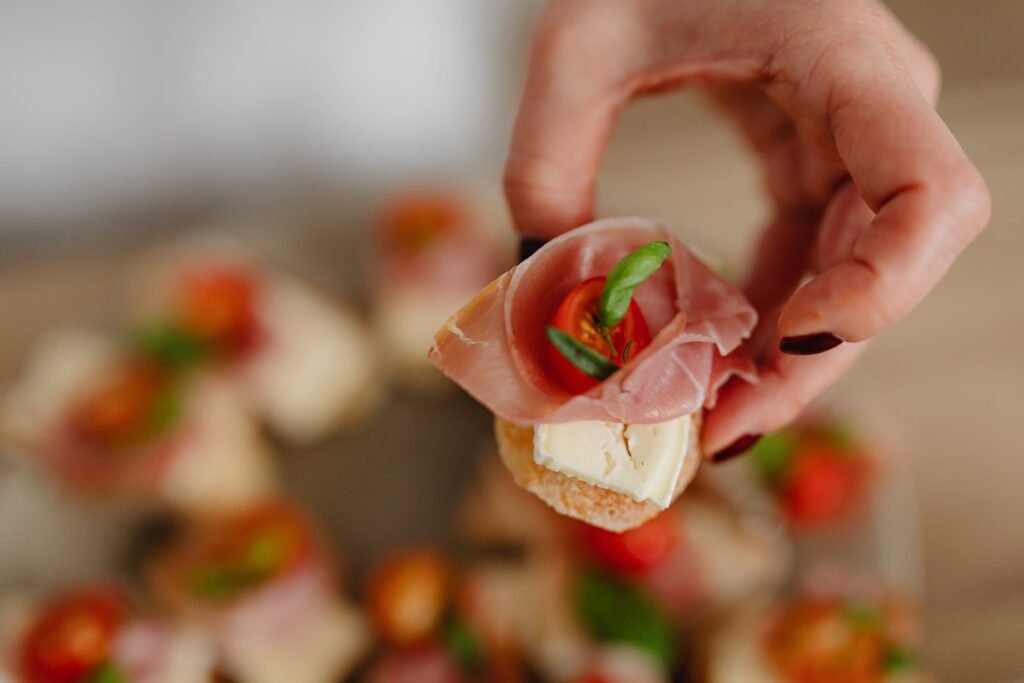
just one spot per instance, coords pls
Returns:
(737, 447)
(809, 344)
(528, 246)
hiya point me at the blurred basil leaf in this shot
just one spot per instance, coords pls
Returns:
(614, 611)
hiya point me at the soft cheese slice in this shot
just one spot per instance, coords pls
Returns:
(640, 460)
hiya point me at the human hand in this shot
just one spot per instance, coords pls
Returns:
(872, 196)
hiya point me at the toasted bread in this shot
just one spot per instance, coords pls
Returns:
(576, 498)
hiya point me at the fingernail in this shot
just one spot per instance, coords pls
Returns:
(528, 246)
(737, 447)
(809, 344)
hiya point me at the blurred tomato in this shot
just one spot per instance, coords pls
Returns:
(217, 305)
(72, 636)
(123, 409)
(822, 485)
(408, 594)
(423, 664)
(632, 551)
(241, 552)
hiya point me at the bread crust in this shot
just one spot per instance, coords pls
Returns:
(576, 498)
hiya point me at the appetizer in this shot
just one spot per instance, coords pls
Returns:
(817, 472)
(427, 632)
(111, 420)
(572, 622)
(91, 634)
(433, 256)
(261, 584)
(819, 639)
(597, 355)
(303, 364)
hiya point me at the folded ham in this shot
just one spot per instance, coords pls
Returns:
(495, 346)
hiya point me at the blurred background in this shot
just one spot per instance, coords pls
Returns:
(126, 121)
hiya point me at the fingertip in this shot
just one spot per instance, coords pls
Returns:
(545, 201)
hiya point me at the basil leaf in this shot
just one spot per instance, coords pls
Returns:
(217, 583)
(587, 360)
(896, 659)
(265, 553)
(626, 276)
(164, 413)
(106, 673)
(174, 347)
(864, 616)
(463, 646)
(837, 435)
(616, 612)
(771, 456)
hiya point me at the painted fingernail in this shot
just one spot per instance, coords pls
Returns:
(809, 344)
(528, 246)
(737, 447)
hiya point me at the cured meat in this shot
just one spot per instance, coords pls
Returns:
(495, 346)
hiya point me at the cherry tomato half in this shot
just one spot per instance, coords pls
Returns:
(408, 594)
(814, 640)
(72, 636)
(417, 220)
(217, 305)
(577, 315)
(120, 410)
(823, 484)
(632, 551)
(242, 552)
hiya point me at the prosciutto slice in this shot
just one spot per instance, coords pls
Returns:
(495, 346)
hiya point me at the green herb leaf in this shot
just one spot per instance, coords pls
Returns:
(625, 350)
(265, 553)
(218, 583)
(837, 435)
(107, 673)
(864, 616)
(771, 456)
(617, 612)
(586, 359)
(463, 645)
(626, 276)
(174, 347)
(165, 412)
(897, 659)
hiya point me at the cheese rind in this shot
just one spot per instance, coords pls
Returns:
(642, 461)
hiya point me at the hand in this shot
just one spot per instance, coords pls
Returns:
(872, 195)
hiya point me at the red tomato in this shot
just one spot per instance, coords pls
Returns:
(407, 596)
(576, 315)
(118, 411)
(814, 641)
(632, 551)
(429, 663)
(241, 552)
(823, 484)
(218, 306)
(417, 220)
(72, 636)
(591, 677)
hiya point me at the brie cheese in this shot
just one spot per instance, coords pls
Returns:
(642, 461)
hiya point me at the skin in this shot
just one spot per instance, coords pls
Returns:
(872, 197)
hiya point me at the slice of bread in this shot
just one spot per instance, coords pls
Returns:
(576, 498)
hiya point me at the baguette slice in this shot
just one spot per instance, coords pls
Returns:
(576, 498)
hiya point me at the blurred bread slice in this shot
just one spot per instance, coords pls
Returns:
(575, 498)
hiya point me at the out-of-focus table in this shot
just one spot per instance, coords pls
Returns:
(950, 373)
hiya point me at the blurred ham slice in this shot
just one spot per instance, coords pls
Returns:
(495, 346)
